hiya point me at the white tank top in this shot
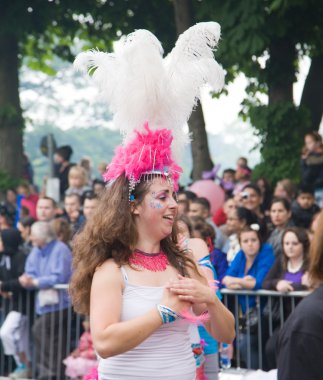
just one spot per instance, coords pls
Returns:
(166, 354)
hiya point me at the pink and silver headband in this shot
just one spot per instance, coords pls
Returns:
(146, 156)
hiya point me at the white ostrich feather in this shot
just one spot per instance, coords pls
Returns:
(140, 86)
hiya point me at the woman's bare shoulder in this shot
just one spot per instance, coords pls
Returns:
(108, 270)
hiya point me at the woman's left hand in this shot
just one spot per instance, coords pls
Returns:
(191, 290)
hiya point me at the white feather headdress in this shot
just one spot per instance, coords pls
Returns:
(142, 88)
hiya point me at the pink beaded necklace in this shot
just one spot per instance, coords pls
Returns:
(155, 262)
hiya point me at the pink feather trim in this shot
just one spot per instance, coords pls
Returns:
(195, 319)
(148, 152)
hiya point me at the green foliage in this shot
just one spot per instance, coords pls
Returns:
(46, 29)
(278, 127)
(7, 182)
(250, 30)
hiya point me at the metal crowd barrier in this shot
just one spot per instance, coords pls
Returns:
(68, 323)
(257, 328)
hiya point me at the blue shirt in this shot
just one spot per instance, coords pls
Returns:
(220, 263)
(259, 269)
(51, 265)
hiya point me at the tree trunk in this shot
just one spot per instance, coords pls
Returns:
(11, 121)
(312, 96)
(200, 149)
(281, 70)
(199, 146)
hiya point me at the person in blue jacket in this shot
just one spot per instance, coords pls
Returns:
(247, 271)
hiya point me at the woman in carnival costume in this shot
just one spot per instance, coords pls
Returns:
(141, 290)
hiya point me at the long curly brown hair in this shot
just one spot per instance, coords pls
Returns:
(111, 233)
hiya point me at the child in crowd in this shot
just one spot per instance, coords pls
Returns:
(77, 181)
(227, 181)
(242, 177)
(82, 360)
(304, 207)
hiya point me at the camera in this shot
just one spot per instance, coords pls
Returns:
(244, 195)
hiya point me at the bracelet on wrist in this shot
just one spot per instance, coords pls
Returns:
(167, 315)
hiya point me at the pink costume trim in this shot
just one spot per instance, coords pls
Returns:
(149, 152)
(155, 262)
(195, 319)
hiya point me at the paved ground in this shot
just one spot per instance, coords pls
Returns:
(233, 374)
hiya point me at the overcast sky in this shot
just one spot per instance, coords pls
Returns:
(74, 102)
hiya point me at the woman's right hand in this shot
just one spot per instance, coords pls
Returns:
(173, 301)
(284, 286)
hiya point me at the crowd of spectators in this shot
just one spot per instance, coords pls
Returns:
(258, 239)
(36, 235)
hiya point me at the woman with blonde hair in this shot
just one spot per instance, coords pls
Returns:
(300, 343)
(140, 289)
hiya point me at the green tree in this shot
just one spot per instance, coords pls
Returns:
(36, 31)
(277, 32)
(265, 40)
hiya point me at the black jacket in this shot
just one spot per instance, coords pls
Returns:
(300, 342)
(312, 170)
(303, 217)
(12, 266)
